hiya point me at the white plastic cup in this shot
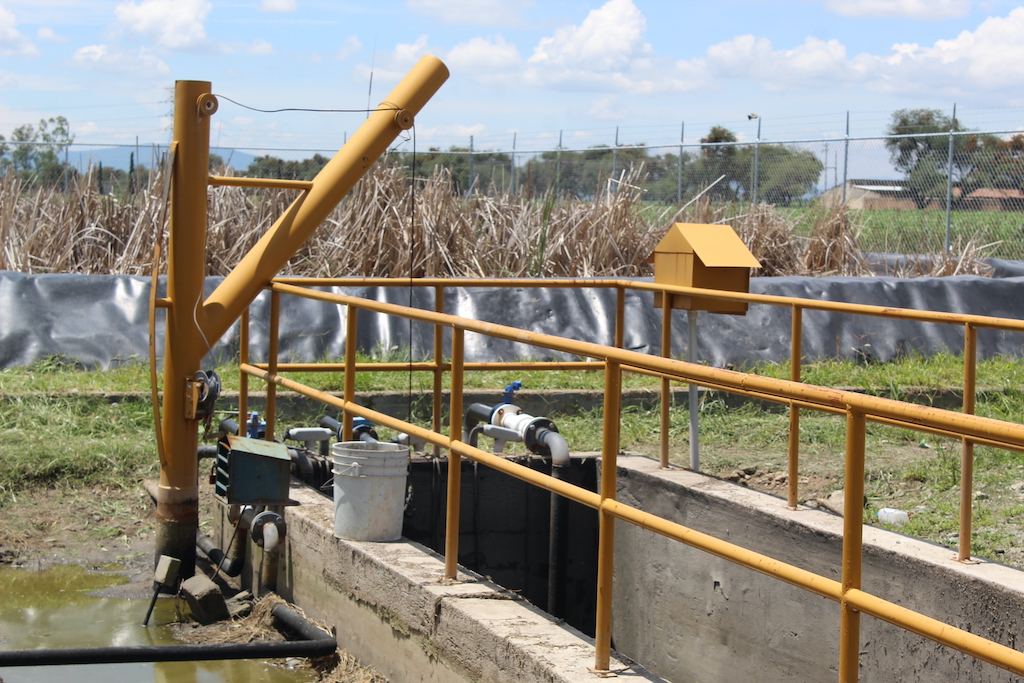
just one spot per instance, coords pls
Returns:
(893, 516)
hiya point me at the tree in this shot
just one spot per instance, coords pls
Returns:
(786, 174)
(36, 152)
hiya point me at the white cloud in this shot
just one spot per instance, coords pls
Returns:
(486, 58)
(173, 23)
(407, 54)
(911, 9)
(606, 50)
(393, 66)
(607, 108)
(473, 12)
(47, 33)
(12, 42)
(278, 5)
(987, 58)
(351, 46)
(260, 47)
(143, 62)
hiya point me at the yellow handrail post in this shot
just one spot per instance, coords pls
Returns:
(351, 332)
(438, 365)
(606, 529)
(620, 316)
(243, 377)
(453, 508)
(274, 334)
(967, 454)
(666, 386)
(793, 471)
(177, 500)
(853, 530)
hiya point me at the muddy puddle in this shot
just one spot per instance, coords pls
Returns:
(68, 606)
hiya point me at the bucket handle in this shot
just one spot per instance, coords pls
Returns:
(347, 470)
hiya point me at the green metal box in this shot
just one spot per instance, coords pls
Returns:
(256, 472)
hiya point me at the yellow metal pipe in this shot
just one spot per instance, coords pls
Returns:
(666, 385)
(969, 425)
(453, 509)
(275, 342)
(438, 366)
(162, 302)
(950, 636)
(278, 183)
(967, 452)
(620, 317)
(296, 225)
(430, 366)
(243, 377)
(351, 334)
(795, 360)
(579, 283)
(606, 521)
(853, 528)
(177, 504)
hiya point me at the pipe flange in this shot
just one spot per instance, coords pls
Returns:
(207, 104)
(261, 520)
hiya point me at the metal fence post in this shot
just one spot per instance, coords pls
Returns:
(615, 158)
(757, 163)
(472, 169)
(679, 164)
(853, 530)
(558, 164)
(606, 529)
(512, 164)
(949, 183)
(453, 504)
(846, 155)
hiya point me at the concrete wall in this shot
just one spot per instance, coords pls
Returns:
(689, 616)
(394, 612)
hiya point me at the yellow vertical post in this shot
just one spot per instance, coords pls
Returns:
(243, 377)
(351, 331)
(853, 528)
(177, 504)
(967, 454)
(454, 500)
(620, 316)
(666, 386)
(606, 531)
(795, 359)
(274, 346)
(438, 365)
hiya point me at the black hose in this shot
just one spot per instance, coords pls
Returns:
(206, 451)
(316, 643)
(230, 566)
(478, 412)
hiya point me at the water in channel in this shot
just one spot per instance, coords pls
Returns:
(60, 607)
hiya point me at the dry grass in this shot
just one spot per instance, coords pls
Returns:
(382, 229)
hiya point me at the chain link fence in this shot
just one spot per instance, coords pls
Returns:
(929, 193)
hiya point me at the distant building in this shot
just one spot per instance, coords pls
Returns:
(995, 199)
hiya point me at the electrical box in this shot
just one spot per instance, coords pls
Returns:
(705, 256)
(253, 472)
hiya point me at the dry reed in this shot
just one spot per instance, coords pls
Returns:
(383, 229)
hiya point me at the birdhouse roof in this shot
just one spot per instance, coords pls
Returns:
(717, 246)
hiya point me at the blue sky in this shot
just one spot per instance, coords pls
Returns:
(531, 68)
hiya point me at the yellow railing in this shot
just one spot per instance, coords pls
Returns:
(858, 408)
(970, 324)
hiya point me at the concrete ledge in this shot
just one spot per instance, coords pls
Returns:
(393, 611)
(688, 615)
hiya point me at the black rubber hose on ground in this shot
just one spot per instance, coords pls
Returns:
(230, 566)
(316, 643)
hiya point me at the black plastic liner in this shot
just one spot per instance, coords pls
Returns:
(100, 320)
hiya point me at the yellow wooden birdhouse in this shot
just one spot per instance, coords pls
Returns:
(705, 256)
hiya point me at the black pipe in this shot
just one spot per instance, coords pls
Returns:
(230, 566)
(332, 424)
(556, 526)
(206, 451)
(478, 412)
(316, 643)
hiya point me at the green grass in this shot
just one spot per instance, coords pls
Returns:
(61, 433)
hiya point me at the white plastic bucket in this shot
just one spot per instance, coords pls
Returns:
(369, 490)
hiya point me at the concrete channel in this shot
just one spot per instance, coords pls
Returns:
(679, 614)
